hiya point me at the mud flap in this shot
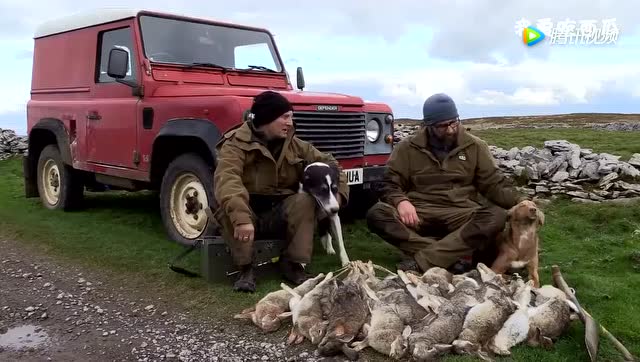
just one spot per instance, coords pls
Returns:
(30, 184)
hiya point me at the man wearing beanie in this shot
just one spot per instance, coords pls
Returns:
(260, 165)
(430, 206)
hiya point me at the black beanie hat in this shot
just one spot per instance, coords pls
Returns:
(268, 106)
(437, 108)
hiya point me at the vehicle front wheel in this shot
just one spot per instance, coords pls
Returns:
(186, 192)
(59, 185)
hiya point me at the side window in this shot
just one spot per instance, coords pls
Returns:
(119, 38)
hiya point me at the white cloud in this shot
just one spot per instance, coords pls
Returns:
(489, 66)
(413, 88)
(528, 83)
(521, 96)
(13, 103)
(468, 29)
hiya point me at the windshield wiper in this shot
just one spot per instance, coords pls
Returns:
(206, 64)
(261, 67)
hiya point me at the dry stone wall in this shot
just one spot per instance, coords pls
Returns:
(617, 126)
(610, 126)
(11, 144)
(562, 167)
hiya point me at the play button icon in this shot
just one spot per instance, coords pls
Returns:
(531, 35)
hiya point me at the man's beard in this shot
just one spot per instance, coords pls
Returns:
(447, 140)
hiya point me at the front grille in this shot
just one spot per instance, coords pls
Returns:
(341, 134)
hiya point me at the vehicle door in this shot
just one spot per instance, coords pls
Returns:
(111, 117)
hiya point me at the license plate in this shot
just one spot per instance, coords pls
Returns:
(354, 176)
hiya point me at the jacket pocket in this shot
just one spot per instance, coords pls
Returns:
(291, 172)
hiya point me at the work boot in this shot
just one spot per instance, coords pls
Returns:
(292, 271)
(461, 266)
(246, 281)
(409, 265)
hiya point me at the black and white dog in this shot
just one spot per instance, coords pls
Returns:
(320, 180)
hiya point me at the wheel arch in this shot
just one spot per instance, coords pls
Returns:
(45, 132)
(179, 136)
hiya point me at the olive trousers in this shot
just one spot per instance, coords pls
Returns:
(444, 235)
(292, 219)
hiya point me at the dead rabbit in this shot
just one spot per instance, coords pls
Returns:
(346, 311)
(516, 327)
(386, 333)
(307, 313)
(273, 308)
(435, 338)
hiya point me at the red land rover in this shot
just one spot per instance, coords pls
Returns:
(138, 99)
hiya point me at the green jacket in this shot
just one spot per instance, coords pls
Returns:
(246, 167)
(415, 174)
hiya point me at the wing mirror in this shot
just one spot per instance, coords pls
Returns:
(299, 78)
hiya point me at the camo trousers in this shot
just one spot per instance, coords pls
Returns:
(445, 234)
(292, 219)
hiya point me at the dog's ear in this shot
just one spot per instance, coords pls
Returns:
(335, 170)
(510, 213)
(540, 216)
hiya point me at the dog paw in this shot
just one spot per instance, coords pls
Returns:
(327, 244)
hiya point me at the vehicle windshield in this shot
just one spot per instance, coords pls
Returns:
(185, 42)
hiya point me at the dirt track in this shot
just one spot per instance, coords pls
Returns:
(74, 315)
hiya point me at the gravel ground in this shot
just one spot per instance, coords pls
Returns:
(54, 312)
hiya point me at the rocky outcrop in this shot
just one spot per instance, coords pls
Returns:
(403, 130)
(11, 144)
(562, 167)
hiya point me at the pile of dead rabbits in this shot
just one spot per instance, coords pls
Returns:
(407, 315)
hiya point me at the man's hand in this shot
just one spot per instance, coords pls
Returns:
(244, 232)
(408, 214)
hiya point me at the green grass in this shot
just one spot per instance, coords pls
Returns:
(623, 144)
(121, 233)
(596, 246)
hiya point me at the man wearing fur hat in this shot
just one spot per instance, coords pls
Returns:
(429, 206)
(260, 165)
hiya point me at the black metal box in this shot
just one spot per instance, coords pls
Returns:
(217, 264)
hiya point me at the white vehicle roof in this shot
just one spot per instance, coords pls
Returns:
(102, 16)
(83, 20)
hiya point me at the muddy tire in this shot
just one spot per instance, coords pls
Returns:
(59, 185)
(185, 193)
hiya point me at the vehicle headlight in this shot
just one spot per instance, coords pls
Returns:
(373, 130)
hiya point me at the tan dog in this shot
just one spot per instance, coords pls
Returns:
(519, 245)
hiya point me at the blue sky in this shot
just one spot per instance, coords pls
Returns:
(398, 52)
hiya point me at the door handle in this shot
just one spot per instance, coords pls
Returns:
(93, 115)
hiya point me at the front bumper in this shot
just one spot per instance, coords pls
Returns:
(364, 177)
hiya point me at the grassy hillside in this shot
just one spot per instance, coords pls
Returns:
(575, 119)
(120, 234)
